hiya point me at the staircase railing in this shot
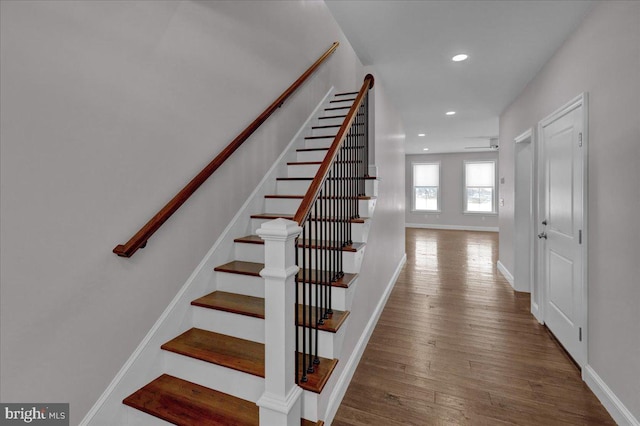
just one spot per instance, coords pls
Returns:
(139, 240)
(325, 215)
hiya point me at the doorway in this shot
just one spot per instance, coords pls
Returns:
(561, 225)
(524, 216)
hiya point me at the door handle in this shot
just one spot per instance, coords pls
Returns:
(542, 235)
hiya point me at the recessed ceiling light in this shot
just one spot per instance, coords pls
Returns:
(451, 113)
(460, 57)
(421, 134)
(425, 149)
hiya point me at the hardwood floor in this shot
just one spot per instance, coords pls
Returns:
(456, 345)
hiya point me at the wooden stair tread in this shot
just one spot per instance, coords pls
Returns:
(311, 149)
(331, 324)
(253, 269)
(298, 196)
(188, 404)
(342, 100)
(231, 352)
(320, 137)
(329, 117)
(344, 282)
(353, 247)
(241, 267)
(185, 403)
(272, 216)
(311, 178)
(330, 126)
(346, 94)
(337, 108)
(232, 302)
(239, 354)
(254, 307)
(316, 380)
(290, 217)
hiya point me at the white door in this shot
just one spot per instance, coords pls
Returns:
(561, 227)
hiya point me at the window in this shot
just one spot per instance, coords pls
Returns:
(480, 187)
(426, 187)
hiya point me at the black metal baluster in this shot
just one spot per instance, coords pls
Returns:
(304, 302)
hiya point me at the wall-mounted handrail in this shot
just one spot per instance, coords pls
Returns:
(322, 173)
(139, 240)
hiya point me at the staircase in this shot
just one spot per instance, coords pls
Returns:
(212, 372)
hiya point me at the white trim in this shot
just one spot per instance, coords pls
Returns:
(505, 273)
(614, 406)
(527, 137)
(203, 267)
(354, 360)
(527, 134)
(452, 227)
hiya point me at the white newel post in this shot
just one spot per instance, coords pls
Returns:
(280, 404)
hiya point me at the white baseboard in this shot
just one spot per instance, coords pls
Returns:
(354, 360)
(614, 406)
(505, 273)
(452, 227)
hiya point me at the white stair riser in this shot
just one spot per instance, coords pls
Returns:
(371, 187)
(282, 205)
(329, 344)
(213, 376)
(311, 155)
(326, 131)
(292, 187)
(333, 112)
(366, 207)
(318, 143)
(351, 261)
(302, 170)
(341, 298)
(241, 284)
(331, 121)
(359, 231)
(249, 252)
(135, 417)
(255, 253)
(235, 325)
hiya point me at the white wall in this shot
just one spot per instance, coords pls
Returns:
(602, 58)
(451, 187)
(107, 109)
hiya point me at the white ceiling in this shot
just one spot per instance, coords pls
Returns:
(410, 44)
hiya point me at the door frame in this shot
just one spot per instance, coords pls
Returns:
(577, 102)
(526, 137)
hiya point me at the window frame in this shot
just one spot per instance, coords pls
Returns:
(494, 203)
(413, 187)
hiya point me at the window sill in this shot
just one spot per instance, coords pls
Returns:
(481, 213)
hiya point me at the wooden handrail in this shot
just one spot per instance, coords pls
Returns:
(139, 240)
(323, 171)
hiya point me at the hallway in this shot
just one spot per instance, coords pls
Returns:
(456, 345)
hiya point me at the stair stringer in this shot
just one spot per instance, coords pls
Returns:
(148, 360)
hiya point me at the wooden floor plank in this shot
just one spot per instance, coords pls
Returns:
(456, 345)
